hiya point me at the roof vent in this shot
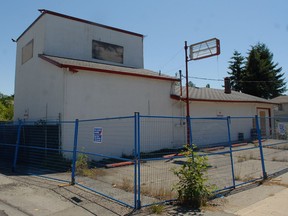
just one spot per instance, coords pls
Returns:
(227, 85)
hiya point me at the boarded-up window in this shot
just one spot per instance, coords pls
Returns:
(107, 52)
(27, 52)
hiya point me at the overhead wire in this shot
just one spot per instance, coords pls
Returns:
(170, 60)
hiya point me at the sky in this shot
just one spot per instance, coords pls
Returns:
(166, 25)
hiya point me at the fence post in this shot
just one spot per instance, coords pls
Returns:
(135, 160)
(260, 147)
(17, 146)
(74, 152)
(190, 136)
(230, 147)
(138, 203)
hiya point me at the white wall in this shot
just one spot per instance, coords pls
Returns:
(72, 39)
(95, 95)
(282, 113)
(212, 131)
(38, 86)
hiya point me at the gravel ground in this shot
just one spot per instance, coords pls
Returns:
(29, 195)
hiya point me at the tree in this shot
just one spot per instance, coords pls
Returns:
(191, 84)
(237, 71)
(263, 78)
(257, 75)
(6, 107)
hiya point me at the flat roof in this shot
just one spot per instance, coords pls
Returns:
(43, 12)
(75, 65)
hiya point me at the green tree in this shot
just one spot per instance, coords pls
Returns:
(263, 77)
(257, 75)
(191, 84)
(6, 107)
(237, 71)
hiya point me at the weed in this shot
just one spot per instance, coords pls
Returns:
(126, 185)
(237, 177)
(157, 209)
(241, 158)
(82, 167)
(251, 156)
(284, 159)
(192, 188)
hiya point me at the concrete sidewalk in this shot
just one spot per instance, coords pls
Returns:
(270, 198)
(28, 195)
(273, 205)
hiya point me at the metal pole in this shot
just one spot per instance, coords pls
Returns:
(74, 152)
(260, 147)
(230, 148)
(187, 95)
(135, 159)
(138, 162)
(17, 146)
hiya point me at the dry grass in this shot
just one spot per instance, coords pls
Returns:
(160, 193)
(126, 185)
(91, 173)
(275, 182)
(242, 158)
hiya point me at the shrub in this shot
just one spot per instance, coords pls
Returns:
(192, 188)
(81, 162)
(84, 168)
(157, 209)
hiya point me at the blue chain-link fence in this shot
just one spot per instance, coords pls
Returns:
(131, 159)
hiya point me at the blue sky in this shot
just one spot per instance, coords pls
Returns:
(166, 24)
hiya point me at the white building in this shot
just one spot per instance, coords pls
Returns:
(84, 70)
(281, 110)
(75, 68)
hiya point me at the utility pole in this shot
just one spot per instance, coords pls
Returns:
(187, 96)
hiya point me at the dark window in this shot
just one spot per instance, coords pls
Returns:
(27, 52)
(107, 52)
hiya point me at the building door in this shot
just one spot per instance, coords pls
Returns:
(264, 122)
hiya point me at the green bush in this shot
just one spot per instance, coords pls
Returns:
(192, 188)
(157, 209)
(82, 164)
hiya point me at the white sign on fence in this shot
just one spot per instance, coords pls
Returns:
(98, 135)
(281, 128)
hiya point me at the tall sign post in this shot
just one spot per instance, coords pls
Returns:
(204, 49)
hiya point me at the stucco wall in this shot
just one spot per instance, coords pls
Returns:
(282, 113)
(72, 39)
(38, 86)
